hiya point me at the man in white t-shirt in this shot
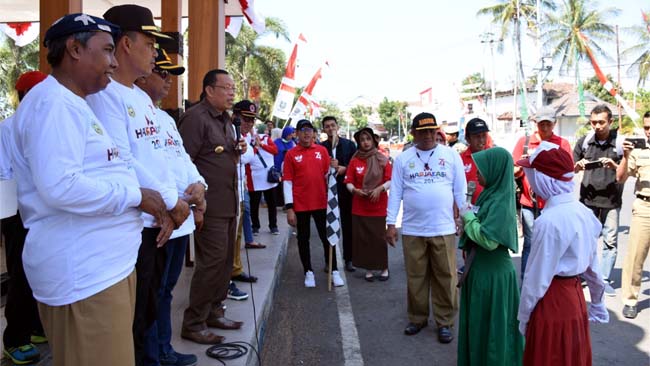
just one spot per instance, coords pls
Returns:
(429, 179)
(79, 199)
(128, 115)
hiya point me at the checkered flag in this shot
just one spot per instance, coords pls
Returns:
(333, 216)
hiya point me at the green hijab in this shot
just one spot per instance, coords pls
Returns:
(497, 212)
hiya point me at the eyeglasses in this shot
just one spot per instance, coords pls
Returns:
(162, 73)
(227, 88)
(306, 129)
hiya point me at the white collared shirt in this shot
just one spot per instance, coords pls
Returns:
(76, 196)
(564, 243)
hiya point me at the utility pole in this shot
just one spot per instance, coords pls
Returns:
(540, 82)
(488, 37)
(618, 91)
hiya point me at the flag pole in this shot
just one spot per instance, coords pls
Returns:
(329, 272)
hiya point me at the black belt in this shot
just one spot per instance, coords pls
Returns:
(642, 197)
(564, 277)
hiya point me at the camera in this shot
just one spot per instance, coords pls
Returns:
(638, 142)
(593, 165)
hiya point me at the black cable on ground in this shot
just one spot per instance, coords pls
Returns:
(230, 351)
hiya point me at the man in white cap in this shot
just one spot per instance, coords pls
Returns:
(452, 132)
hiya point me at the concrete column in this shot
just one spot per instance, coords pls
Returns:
(207, 42)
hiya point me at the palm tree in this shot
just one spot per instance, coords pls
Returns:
(15, 61)
(642, 63)
(258, 69)
(580, 24)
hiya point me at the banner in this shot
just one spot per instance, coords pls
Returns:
(287, 90)
(257, 22)
(300, 109)
(22, 33)
(233, 25)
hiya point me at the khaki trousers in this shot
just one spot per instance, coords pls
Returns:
(237, 267)
(96, 331)
(214, 246)
(637, 252)
(431, 272)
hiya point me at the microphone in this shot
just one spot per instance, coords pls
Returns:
(471, 188)
(236, 121)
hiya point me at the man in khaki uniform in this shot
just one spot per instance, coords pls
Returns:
(209, 139)
(636, 163)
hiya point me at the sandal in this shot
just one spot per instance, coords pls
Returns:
(383, 277)
(370, 278)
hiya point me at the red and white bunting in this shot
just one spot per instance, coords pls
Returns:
(233, 25)
(254, 19)
(426, 96)
(300, 109)
(287, 90)
(22, 33)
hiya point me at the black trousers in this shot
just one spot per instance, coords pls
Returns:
(303, 227)
(149, 268)
(21, 311)
(345, 213)
(269, 197)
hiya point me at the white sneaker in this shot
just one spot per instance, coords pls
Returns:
(309, 279)
(336, 279)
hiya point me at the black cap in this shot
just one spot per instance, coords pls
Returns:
(131, 17)
(476, 125)
(77, 23)
(164, 62)
(246, 108)
(424, 121)
(304, 123)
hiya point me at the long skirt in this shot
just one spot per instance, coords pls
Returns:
(558, 329)
(369, 249)
(488, 332)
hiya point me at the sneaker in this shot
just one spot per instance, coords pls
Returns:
(23, 355)
(38, 338)
(275, 231)
(236, 294)
(629, 311)
(309, 279)
(609, 290)
(177, 359)
(256, 231)
(336, 279)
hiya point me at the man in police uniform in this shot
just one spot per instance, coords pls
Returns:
(636, 162)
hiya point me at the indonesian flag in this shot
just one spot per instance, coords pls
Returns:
(22, 33)
(284, 98)
(300, 109)
(233, 25)
(314, 109)
(607, 84)
(254, 19)
(426, 96)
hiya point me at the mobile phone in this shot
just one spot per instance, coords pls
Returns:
(638, 142)
(593, 165)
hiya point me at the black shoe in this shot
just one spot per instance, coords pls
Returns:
(244, 277)
(413, 328)
(349, 267)
(445, 335)
(629, 311)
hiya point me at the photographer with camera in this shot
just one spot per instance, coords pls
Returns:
(598, 155)
(636, 162)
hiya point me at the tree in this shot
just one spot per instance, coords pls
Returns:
(477, 84)
(15, 61)
(641, 64)
(390, 112)
(594, 86)
(258, 69)
(576, 27)
(360, 114)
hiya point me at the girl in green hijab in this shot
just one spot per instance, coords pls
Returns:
(488, 329)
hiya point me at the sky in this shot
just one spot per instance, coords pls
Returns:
(396, 49)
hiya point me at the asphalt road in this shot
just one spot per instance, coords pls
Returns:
(305, 326)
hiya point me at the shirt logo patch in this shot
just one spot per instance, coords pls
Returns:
(131, 111)
(97, 129)
(298, 158)
(441, 162)
(360, 170)
(411, 165)
(318, 155)
(468, 168)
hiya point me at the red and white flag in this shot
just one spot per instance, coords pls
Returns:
(254, 19)
(426, 96)
(300, 109)
(314, 110)
(608, 84)
(22, 33)
(233, 25)
(284, 98)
